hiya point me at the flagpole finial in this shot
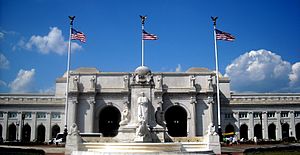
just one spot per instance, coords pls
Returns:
(143, 18)
(214, 19)
(71, 19)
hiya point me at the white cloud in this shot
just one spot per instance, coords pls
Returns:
(53, 42)
(23, 82)
(259, 71)
(50, 90)
(295, 75)
(178, 68)
(3, 84)
(4, 63)
(1, 35)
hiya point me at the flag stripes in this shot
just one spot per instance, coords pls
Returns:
(220, 35)
(77, 35)
(148, 36)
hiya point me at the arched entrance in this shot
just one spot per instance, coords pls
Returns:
(272, 131)
(176, 119)
(55, 130)
(298, 131)
(26, 132)
(41, 133)
(109, 119)
(12, 132)
(285, 130)
(229, 130)
(1, 131)
(258, 131)
(244, 131)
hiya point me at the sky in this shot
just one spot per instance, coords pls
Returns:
(265, 56)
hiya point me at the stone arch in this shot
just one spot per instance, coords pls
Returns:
(176, 121)
(258, 131)
(181, 105)
(1, 129)
(26, 133)
(297, 128)
(244, 131)
(229, 129)
(55, 130)
(109, 119)
(12, 132)
(272, 131)
(285, 128)
(41, 131)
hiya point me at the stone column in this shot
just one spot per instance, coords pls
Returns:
(192, 132)
(5, 127)
(265, 125)
(33, 128)
(19, 128)
(237, 123)
(72, 110)
(292, 125)
(251, 125)
(210, 103)
(278, 126)
(90, 117)
(48, 126)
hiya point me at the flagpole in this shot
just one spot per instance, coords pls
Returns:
(68, 74)
(143, 18)
(217, 76)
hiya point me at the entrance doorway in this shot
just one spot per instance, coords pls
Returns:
(176, 119)
(272, 131)
(55, 130)
(285, 130)
(12, 132)
(244, 131)
(41, 133)
(298, 131)
(109, 119)
(26, 133)
(258, 131)
(229, 130)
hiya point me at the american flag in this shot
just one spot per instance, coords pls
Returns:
(220, 35)
(148, 36)
(76, 35)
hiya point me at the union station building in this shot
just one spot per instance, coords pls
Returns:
(184, 103)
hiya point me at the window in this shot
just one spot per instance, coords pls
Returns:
(257, 115)
(284, 114)
(243, 115)
(1, 114)
(40, 115)
(12, 114)
(27, 115)
(297, 113)
(228, 115)
(271, 114)
(56, 115)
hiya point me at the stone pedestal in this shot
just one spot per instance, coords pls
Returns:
(73, 140)
(213, 143)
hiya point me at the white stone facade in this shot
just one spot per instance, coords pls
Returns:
(98, 101)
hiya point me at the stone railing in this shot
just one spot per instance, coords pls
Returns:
(30, 99)
(275, 98)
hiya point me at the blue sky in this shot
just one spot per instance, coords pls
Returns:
(265, 57)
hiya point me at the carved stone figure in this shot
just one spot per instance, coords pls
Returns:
(159, 82)
(125, 115)
(143, 108)
(75, 83)
(74, 130)
(125, 81)
(93, 83)
(211, 129)
(142, 130)
(192, 83)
